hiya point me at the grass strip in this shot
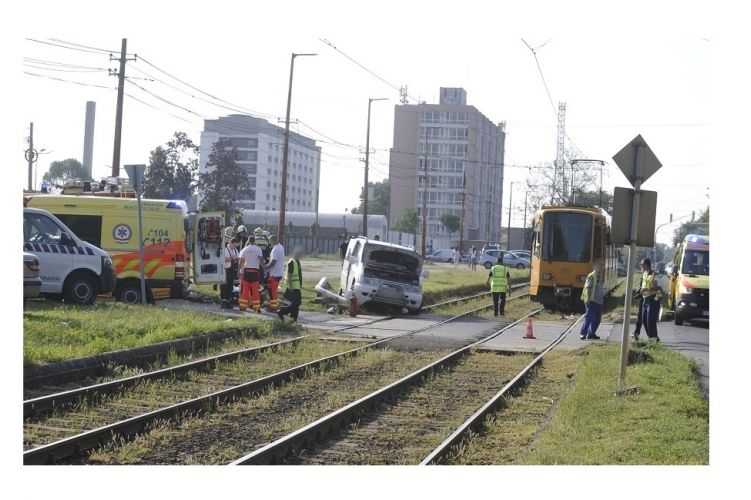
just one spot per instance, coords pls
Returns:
(57, 332)
(667, 422)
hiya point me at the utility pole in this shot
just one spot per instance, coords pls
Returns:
(31, 154)
(285, 154)
(119, 112)
(425, 195)
(510, 204)
(461, 221)
(526, 193)
(367, 158)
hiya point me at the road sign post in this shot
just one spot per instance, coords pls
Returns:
(637, 162)
(136, 174)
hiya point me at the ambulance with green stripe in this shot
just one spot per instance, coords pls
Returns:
(688, 282)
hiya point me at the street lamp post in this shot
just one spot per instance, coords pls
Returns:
(285, 154)
(510, 204)
(367, 158)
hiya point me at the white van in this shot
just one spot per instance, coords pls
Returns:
(376, 271)
(68, 266)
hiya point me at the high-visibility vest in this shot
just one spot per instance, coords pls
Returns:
(647, 282)
(294, 280)
(498, 282)
(589, 285)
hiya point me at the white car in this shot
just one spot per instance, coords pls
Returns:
(443, 255)
(380, 272)
(70, 267)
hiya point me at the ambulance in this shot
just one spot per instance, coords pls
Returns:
(688, 281)
(171, 237)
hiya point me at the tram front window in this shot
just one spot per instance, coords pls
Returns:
(567, 237)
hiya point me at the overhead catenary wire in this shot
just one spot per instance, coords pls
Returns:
(363, 67)
(84, 84)
(237, 107)
(78, 49)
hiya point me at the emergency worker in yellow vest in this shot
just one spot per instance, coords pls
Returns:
(498, 280)
(293, 293)
(650, 292)
(593, 296)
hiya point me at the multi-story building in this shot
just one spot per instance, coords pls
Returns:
(260, 147)
(464, 152)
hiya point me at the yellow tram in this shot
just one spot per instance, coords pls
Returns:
(567, 243)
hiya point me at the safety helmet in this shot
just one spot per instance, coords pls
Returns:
(241, 229)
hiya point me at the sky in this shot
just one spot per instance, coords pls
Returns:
(618, 77)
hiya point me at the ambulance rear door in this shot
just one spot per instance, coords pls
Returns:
(208, 248)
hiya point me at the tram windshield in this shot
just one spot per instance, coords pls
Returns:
(567, 237)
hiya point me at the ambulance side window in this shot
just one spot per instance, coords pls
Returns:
(86, 227)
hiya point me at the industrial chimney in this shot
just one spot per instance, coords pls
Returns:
(88, 137)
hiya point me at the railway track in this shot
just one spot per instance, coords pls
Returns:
(403, 421)
(188, 393)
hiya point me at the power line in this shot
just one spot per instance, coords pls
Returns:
(84, 46)
(246, 110)
(84, 84)
(47, 62)
(166, 101)
(371, 72)
(63, 46)
(62, 70)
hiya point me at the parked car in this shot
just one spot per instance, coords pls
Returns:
(32, 283)
(73, 269)
(442, 255)
(525, 254)
(490, 257)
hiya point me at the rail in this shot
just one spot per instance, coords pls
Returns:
(476, 419)
(274, 452)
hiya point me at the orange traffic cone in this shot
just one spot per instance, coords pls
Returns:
(530, 334)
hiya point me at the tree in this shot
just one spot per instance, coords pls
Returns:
(378, 204)
(408, 222)
(699, 226)
(451, 222)
(224, 180)
(172, 169)
(545, 189)
(62, 171)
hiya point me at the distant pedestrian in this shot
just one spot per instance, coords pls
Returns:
(294, 287)
(593, 296)
(250, 269)
(231, 262)
(473, 259)
(650, 292)
(455, 256)
(498, 280)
